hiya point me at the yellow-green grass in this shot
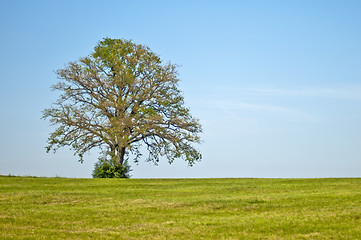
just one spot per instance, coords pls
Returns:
(64, 208)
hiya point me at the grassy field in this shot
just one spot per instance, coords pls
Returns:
(61, 208)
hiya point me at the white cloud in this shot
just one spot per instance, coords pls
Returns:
(259, 107)
(276, 102)
(232, 109)
(347, 92)
(350, 92)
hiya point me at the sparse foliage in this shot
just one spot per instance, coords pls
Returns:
(119, 98)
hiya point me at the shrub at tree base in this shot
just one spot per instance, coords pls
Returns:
(109, 169)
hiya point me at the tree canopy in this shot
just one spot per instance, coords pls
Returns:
(119, 98)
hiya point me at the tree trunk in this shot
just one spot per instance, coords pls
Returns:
(120, 155)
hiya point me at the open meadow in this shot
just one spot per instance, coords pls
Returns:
(64, 208)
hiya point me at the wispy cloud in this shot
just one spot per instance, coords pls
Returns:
(232, 109)
(350, 92)
(347, 92)
(258, 107)
(297, 103)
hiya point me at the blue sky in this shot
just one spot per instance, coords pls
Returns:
(275, 84)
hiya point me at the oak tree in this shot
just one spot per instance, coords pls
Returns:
(119, 98)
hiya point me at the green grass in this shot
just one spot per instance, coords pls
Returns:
(61, 208)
